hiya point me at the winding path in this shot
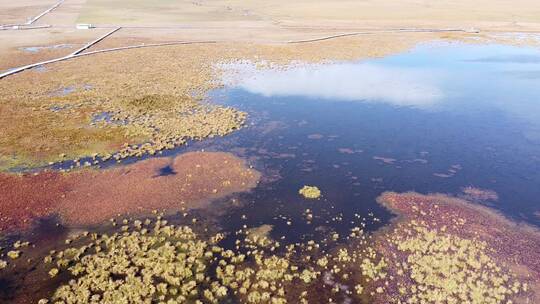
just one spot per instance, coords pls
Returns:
(72, 55)
(404, 30)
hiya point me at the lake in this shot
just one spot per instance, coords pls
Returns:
(438, 118)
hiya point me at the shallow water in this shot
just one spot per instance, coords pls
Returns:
(435, 119)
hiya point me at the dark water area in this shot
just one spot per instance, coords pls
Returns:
(436, 119)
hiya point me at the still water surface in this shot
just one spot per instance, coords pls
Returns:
(435, 119)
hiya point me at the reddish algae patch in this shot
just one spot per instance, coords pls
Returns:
(28, 196)
(91, 196)
(196, 178)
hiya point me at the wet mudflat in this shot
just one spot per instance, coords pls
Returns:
(459, 120)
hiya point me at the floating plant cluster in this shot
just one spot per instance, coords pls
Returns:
(310, 192)
(154, 262)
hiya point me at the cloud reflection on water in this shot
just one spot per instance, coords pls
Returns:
(403, 86)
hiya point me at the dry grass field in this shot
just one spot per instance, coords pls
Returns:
(20, 11)
(305, 13)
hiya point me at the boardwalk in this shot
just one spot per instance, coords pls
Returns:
(72, 55)
(27, 24)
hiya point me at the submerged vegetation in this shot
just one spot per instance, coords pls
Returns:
(431, 266)
(448, 248)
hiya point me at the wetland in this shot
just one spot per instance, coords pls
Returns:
(407, 178)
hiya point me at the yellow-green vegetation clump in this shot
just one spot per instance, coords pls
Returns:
(153, 262)
(14, 254)
(445, 268)
(142, 266)
(169, 264)
(264, 281)
(310, 192)
(373, 269)
(169, 121)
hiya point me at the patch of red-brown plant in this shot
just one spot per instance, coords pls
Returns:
(514, 244)
(91, 196)
(24, 197)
